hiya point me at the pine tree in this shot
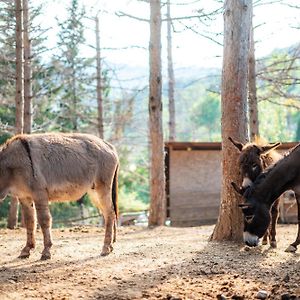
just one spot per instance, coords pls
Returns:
(73, 68)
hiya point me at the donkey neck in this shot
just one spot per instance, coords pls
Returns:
(278, 178)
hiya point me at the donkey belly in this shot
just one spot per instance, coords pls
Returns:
(67, 192)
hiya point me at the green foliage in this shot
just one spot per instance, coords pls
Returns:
(207, 114)
(278, 92)
(4, 137)
(133, 178)
(74, 80)
(198, 109)
(129, 201)
(4, 207)
(64, 211)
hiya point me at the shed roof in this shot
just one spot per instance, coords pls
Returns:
(189, 146)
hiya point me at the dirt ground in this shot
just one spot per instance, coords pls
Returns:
(161, 263)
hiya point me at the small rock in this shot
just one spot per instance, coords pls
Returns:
(286, 278)
(247, 248)
(171, 297)
(221, 297)
(262, 294)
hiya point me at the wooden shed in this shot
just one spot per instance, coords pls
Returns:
(193, 179)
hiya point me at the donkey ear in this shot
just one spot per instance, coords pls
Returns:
(239, 190)
(236, 144)
(267, 148)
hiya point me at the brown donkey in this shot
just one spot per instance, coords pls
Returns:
(39, 168)
(254, 158)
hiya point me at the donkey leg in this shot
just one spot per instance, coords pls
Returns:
(101, 197)
(115, 231)
(109, 217)
(45, 221)
(30, 222)
(293, 247)
(274, 215)
(265, 238)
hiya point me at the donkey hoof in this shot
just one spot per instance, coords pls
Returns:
(273, 244)
(291, 249)
(24, 255)
(264, 242)
(106, 250)
(46, 256)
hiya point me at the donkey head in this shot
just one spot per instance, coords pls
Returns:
(256, 216)
(251, 159)
(256, 221)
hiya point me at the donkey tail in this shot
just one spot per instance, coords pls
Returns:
(115, 192)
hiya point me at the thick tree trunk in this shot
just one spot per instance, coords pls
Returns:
(237, 21)
(27, 71)
(99, 81)
(171, 78)
(252, 96)
(12, 218)
(157, 175)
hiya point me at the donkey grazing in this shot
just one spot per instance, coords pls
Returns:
(254, 158)
(261, 195)
(39, 168)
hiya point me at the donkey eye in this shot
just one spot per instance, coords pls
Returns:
(254, 166)
(249, 219)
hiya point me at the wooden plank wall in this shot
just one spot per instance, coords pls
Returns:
(194, 187)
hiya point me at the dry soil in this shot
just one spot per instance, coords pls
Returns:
(161, 263)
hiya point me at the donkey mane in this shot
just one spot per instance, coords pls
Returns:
(287, 153)
(271, 156)
(249, 191)
(10, 141)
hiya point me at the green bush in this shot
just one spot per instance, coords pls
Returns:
(129, 202)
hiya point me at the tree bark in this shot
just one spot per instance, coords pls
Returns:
(157, 176)
(237, 22)
(171, 78)
(252, 95)
(12, 218)
(27, 71)
(19, 68)
(99, 81)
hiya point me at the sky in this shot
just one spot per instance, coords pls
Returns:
(273, 30)
(273, 24)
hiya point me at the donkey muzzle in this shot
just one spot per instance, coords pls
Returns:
(250, 240)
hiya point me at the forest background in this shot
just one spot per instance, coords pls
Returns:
(64, 77)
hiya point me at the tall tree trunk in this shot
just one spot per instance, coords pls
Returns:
(12, 218)
(74, 98)
(99, 81)
(19, 68)
(171, 79)
(252, 96)
(27, 71)
(157, 176)
(237, 22)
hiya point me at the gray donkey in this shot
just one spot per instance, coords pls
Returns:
(39, 168)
